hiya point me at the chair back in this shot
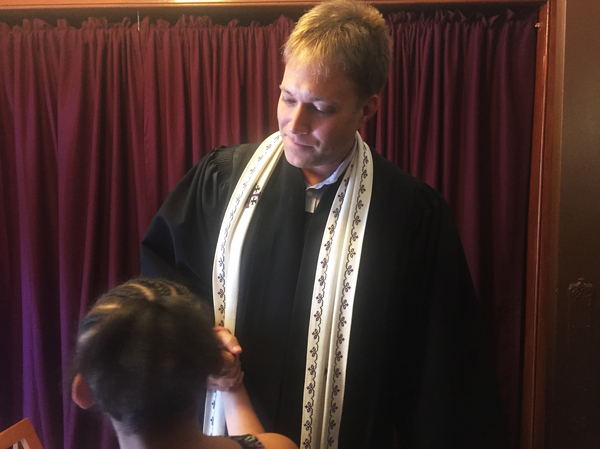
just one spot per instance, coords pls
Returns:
(23, 433)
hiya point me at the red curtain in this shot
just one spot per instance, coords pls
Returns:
(458, 114)
(98, 123)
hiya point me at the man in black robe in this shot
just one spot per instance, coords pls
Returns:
(419, 372)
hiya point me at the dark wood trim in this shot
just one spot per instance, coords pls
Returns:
(532, 407)
(13, 12)
(542, 263)
(26, 4)
(549, 216)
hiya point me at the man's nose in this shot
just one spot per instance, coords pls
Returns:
(299, 120)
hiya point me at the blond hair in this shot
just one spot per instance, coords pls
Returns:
(345, 35)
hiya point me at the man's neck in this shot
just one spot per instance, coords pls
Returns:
(316, 175)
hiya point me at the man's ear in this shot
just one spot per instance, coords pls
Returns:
(80, 393)
(369, 108)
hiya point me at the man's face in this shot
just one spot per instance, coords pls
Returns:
(318, 118)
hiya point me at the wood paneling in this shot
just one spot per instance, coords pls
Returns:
(21, 4)
(573, 390)
(535, 330)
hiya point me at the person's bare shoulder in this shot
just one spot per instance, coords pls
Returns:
(276, 441)
(223, 443)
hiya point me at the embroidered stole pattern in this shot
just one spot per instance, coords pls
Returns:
(332, 304)
(333, 292)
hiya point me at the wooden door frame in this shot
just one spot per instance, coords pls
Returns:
(542, 241)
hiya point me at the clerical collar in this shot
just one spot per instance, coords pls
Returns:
(314, 193)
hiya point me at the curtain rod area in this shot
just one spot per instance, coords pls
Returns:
(244, 12)
(35, 4)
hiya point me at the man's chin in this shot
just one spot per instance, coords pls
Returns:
(295, 160)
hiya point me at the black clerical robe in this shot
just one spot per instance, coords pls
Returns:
(419, 372)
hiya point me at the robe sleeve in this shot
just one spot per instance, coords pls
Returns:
(452, 398)
(180, 241)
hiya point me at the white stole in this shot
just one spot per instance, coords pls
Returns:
(333, 291)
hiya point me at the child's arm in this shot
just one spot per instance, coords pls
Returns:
(241, 419)
(239, 414)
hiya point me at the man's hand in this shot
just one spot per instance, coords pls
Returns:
(232, 375)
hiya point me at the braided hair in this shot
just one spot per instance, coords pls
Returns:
(145, 350)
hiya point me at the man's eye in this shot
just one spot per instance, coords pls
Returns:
(324, 110)
(289, 101)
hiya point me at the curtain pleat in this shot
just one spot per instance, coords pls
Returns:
(99, 122)
(458, 114)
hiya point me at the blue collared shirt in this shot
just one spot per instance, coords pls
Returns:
(314, 193)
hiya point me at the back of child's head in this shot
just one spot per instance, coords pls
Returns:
(145, 350)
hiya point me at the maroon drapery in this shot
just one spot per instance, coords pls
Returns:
(458, 114)
(98, 123)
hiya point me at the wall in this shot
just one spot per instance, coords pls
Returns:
(573, 394)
